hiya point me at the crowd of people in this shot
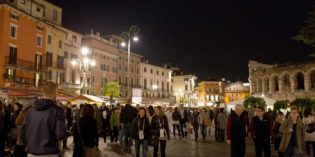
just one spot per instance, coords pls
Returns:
(43, 127)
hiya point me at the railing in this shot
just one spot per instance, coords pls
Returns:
(22, 64)
(21, 80)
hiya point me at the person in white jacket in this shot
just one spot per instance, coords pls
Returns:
(309, 137)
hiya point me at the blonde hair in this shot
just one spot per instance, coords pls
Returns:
(50, 89)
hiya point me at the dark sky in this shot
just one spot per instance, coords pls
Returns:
(210, 38)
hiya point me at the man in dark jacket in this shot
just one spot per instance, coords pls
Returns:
(44, 125)
(260, 131)
(236, 131)
(128, 113)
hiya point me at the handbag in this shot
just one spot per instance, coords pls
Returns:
(207, 122)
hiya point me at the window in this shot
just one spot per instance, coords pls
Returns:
(38, 9)
(145, 70)
(13, 31)
(49, 57)
(49, 39)
(12, 55)
(74, 38)
(66, 54)
(162, 73)
(40, 28)
(145, 84)
(186, 87)
(39, 41)
(168, 87)
(151, 71)
(60, 62)
(38, 61)
(162, 86)
(55, 15)
(157, 72)
(14, 16)
(73, 56)
(60, 44)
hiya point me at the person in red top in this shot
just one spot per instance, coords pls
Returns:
(260, 130)
(236, 131)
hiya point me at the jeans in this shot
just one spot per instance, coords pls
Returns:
(174, 132)
(309, 144)
(262, 146)
(162, 149)
(292, 151)
(114, 135)
(221, 135)
(203, 130)
(196, 130)
(183, 127)
(127, 129)
(144, 144)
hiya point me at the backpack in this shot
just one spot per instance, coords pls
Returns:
(310, 128)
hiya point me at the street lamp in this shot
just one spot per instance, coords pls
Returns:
(132, 34)
(84, 66)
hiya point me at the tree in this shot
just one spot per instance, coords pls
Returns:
(280, 105)
(250, 101)
(302, 103)
(307, 32)
(112, 90)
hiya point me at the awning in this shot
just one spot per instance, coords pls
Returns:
(88, 98)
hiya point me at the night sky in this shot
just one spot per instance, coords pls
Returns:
(209, 38)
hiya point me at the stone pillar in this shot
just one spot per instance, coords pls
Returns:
(307, 82)
(271, 85)
(281, 85)
(263, 84)
(292, 82)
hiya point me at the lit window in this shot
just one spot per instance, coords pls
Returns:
(39, 41)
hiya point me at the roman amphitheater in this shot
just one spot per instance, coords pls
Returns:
(282, 82)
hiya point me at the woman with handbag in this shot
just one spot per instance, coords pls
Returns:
(160, 131)
(203, 121)
(140, 132)
(309, 121)
(88, 132)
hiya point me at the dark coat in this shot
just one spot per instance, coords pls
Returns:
(88, 131)
(128, 113)
(176, 116)
(43, 126)
(138, 125)
(158, 123)
(260, 130)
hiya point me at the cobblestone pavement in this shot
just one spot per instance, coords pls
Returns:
(179, 148)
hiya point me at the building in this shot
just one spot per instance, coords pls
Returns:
(282, 82)
(210, 93)
(183, 87)
(126, 79)
(236, 91)
(156, 83)
(106, 56)
(31, 37)
(72, 50)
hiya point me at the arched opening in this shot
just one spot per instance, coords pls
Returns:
(286, 83)
(266, 84)
(312, 78)
(275, 83)
(299, 81)
(259, 85)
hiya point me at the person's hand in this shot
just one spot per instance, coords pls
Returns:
(228, 141)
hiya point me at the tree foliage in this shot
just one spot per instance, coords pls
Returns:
(112, 90)
(303, 103)
(280, 105)
(307, 32)
(250, 101)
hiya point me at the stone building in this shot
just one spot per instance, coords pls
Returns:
(282, 82)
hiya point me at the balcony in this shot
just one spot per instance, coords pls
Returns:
(22, 64)
(19, 80)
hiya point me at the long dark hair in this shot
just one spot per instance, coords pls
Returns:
(88, 111)
(151, 110)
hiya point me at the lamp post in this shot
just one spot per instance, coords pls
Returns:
(84, 66)
(132, 34)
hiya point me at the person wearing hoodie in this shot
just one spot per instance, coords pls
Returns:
(44, 125)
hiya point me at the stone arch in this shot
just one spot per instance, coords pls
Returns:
(266, 84)
(274, 83)
(299, 80)
(286, 81)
